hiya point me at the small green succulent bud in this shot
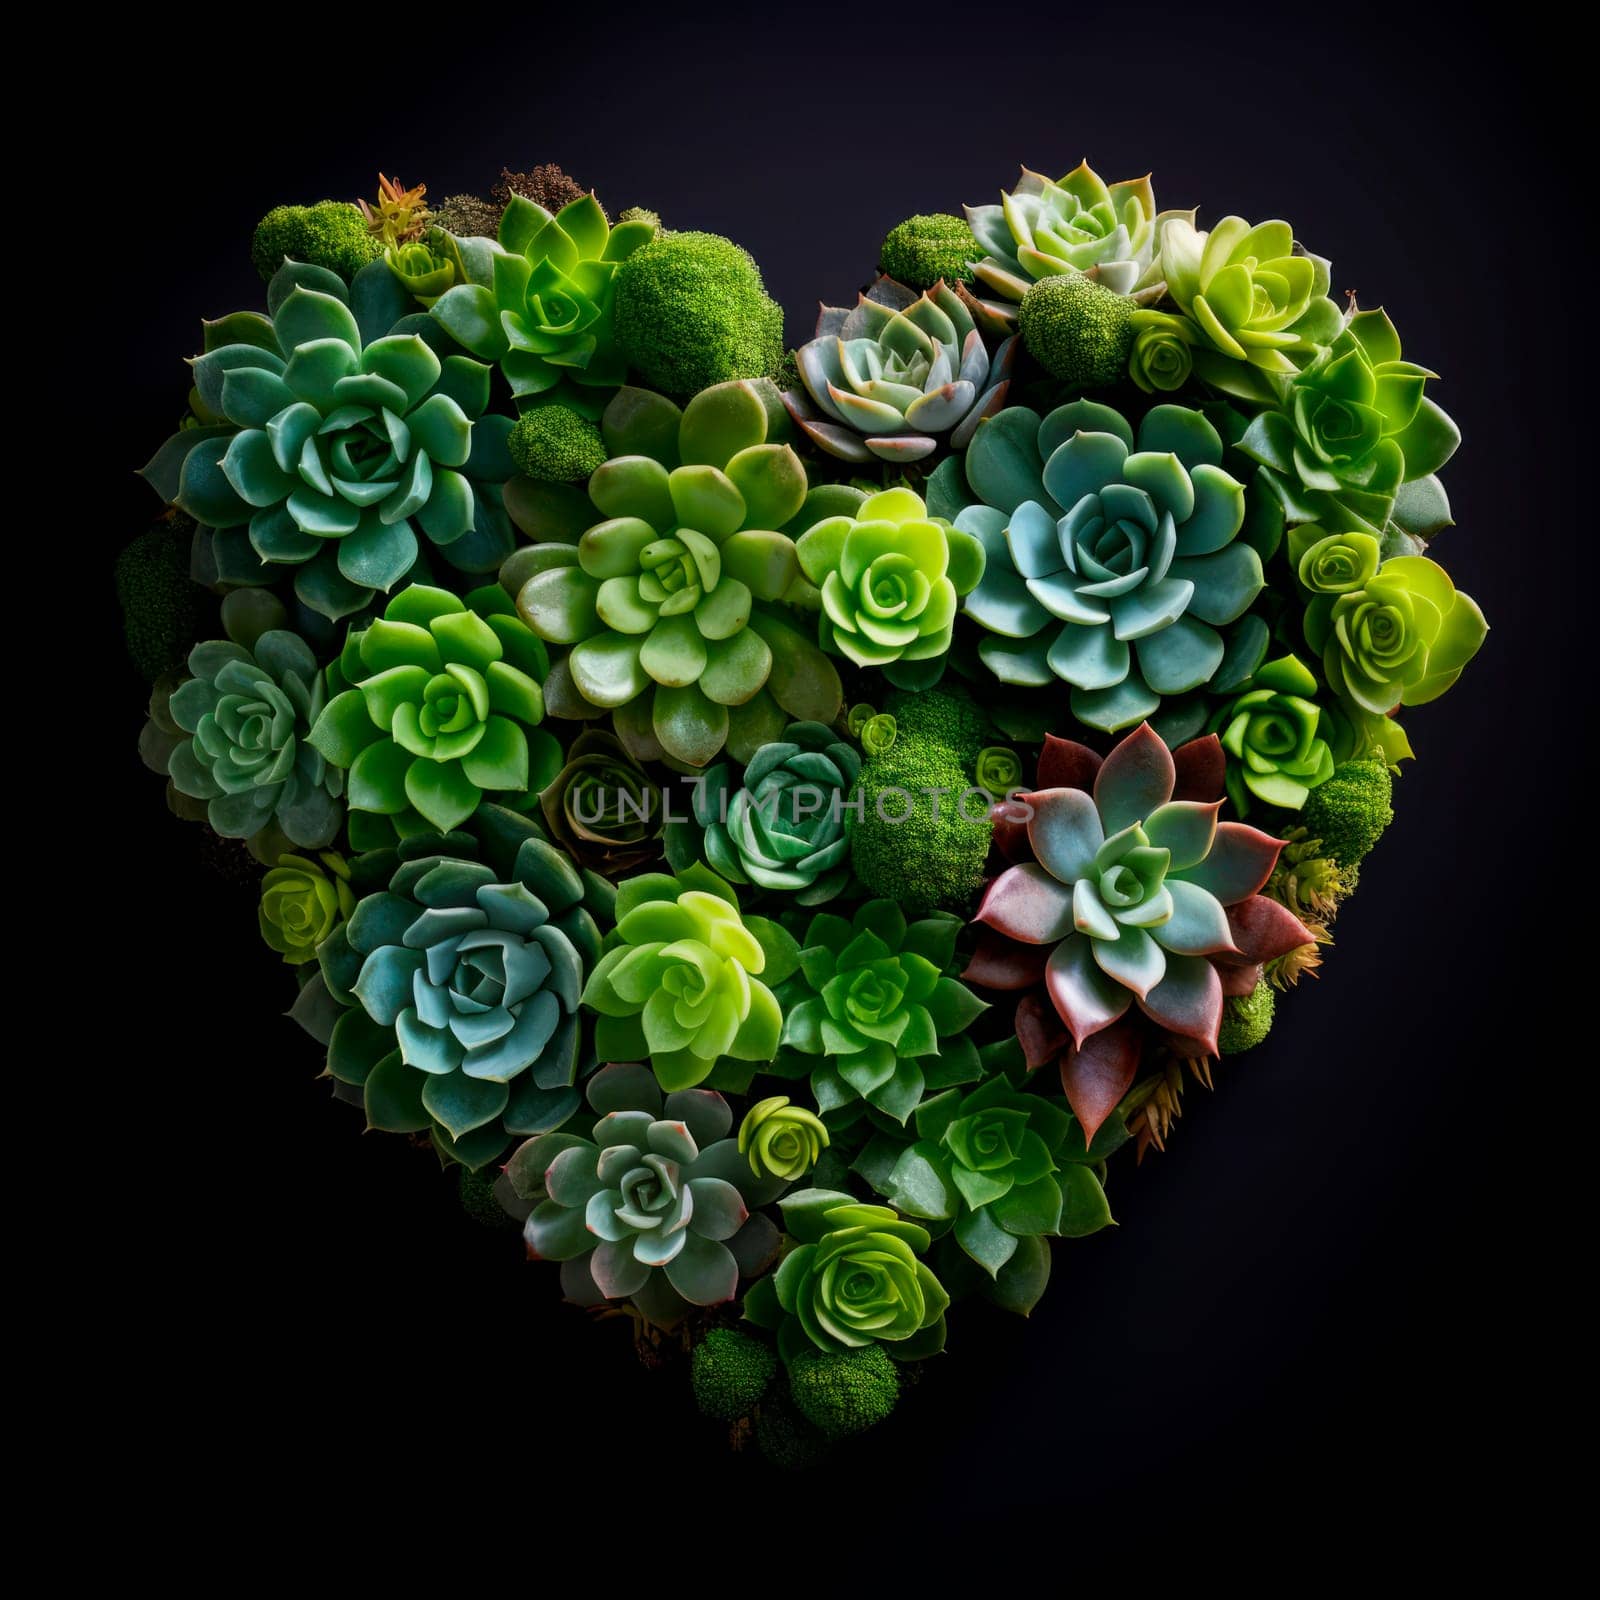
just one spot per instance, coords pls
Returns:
(780, 1139)
(1162, 357)
(998, 770)
(878, 734)
(1077, 330)
(553, 444)
(303, 899)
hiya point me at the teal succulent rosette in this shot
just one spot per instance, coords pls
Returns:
(782, 826)
(334, 437)
(1113, 557)
(457, 983)
(780, 823)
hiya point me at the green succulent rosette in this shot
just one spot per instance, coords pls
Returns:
(1272, 732)
(1356, 442)
(780, 1139)
(303, 899)
(330, 440)
(1162, 358)
(887, 379)
(997, 771)
(444, 704)
(549, 314)
(852, 1278)
(459, 981)
(1078, 223)
(891, 580)
(992, 1166)
(1256, 305)
(1115, 563)
(665, 608)
(874, 1017)
(783, 826)
(243, 747)
(1390, 633)
(603, 808)
(655, 1206)
(685, 981)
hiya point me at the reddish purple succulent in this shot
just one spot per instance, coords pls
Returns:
(1129, 913)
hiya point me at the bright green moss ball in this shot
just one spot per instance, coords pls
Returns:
(691, 311)
(329, 234)
(553, 444)
(922, 250)
(1077, 330)
(908, 841)
(1349, 812)
(1246, 1019)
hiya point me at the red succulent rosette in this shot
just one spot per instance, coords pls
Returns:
(1129, 911)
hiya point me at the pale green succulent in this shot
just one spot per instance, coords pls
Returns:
(1258, 305)
(886, 379)
(1078, 223)
(683, 981)
(664, 601)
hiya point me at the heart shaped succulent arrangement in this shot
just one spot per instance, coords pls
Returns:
(779, 821)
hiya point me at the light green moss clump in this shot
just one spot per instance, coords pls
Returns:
(1349, 812)
(1246, 1020)
(331, 234)
(924, 844)
(553, 444)
(691, 311)
(1077, 330)
(922, 250)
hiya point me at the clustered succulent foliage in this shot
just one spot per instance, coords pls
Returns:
(776, 820)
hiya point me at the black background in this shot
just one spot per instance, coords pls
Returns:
(1311, 1321)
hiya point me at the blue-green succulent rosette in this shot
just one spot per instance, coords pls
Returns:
(338, 441)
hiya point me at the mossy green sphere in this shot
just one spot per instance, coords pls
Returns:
(922, 250)
(730, 1372)
(844, 1392)
(476, 1192)
(553, 444)
(909, 842)
(1077, 330)
(1349, 812)
(330, 234)
(786, 1439)
(1246, 1019)
(691, 311)
(160, 602)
